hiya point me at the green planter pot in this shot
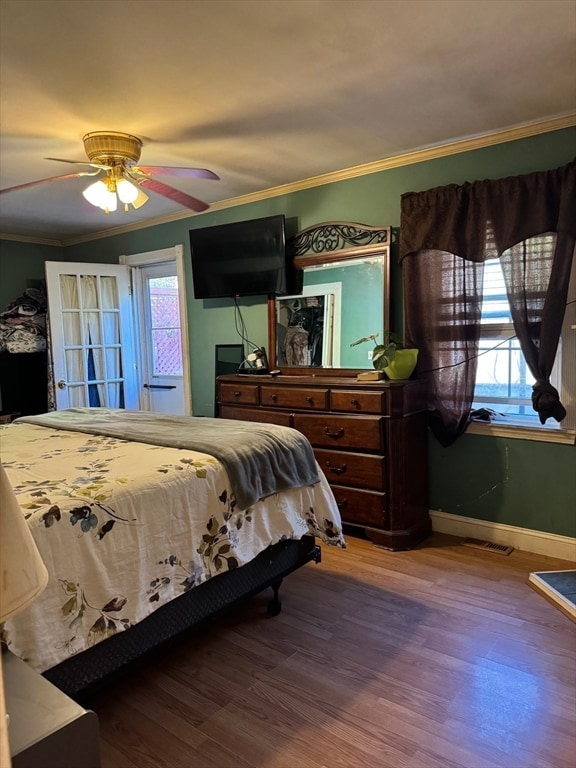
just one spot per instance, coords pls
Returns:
(403, 364)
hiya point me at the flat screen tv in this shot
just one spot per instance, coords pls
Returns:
(243, 258)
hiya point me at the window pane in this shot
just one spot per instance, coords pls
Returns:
(503, 380)
(502, 371)
(495, 307)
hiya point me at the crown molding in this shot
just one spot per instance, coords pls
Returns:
(35, 240)
(432, 152)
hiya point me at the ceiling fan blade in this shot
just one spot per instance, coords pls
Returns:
(166, 170)
(174, 194)
(62, 160)
(77, 162)
(44, 181)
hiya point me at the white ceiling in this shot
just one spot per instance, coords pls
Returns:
(263, 92)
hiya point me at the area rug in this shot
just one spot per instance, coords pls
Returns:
(559, 587)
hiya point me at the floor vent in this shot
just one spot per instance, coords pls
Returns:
(489, 546)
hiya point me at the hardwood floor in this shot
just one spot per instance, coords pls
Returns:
(441, 657)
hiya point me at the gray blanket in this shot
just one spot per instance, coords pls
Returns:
(260, 459)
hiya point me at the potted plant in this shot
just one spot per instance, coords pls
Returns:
(392, 357)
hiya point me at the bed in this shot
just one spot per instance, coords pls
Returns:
(150, 524)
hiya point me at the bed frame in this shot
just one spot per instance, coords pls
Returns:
(80, 675)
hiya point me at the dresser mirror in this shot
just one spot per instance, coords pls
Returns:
(345, 298)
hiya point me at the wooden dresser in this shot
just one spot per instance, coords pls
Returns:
(370, 439)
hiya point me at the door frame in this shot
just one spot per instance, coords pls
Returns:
(173, 254)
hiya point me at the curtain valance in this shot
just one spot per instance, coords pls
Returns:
(454, 218)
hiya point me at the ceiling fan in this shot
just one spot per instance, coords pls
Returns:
(115, 155)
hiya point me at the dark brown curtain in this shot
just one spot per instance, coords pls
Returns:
(446, 234)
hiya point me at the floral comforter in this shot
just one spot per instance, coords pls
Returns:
(126, 527)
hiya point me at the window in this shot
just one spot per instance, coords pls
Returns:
(503, 380)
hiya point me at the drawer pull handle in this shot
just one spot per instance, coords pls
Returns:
(342, 504)
(337, 470)
(274, 397)
(336, 435)
(309, 399)
(237, 394)
(355, 403)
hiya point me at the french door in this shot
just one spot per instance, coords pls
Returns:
(92, 337)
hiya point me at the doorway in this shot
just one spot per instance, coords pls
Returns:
(120, 334)
(161, 328)
(160, 333)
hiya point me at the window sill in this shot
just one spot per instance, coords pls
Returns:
(516, 432)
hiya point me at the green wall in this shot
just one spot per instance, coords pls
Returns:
(516, 482)
(22, 266)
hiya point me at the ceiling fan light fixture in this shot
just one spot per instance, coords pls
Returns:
(97, 193)
(115, 155)
(100, 195)
(111, 202)
(126, 191)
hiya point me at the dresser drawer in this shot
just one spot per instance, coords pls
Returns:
(256, 414)
(357, 402)
(289, 397)
(361, 507)
(239, 393)
(365, 433)
(346, 468)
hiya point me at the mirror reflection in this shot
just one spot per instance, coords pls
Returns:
(340, 303)
(344, 298)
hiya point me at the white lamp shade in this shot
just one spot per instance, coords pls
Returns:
(111, 202)
(126, 191)
(96, 193)
(23, 574)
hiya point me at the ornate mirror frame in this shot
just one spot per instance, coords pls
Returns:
(330, 243)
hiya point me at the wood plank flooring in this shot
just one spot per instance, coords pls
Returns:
(442, 657)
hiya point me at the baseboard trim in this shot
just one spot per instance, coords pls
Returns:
(539, 542)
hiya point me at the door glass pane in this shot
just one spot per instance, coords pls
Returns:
(77, 397)
(92, 334)
(166, 352)
(71, 328)
(95, 364)
(115, 395)
(111, 327)
(68, 291)
(113, 361)
(109, 293)
(165, 326)
(74, 365)
(89, 289)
